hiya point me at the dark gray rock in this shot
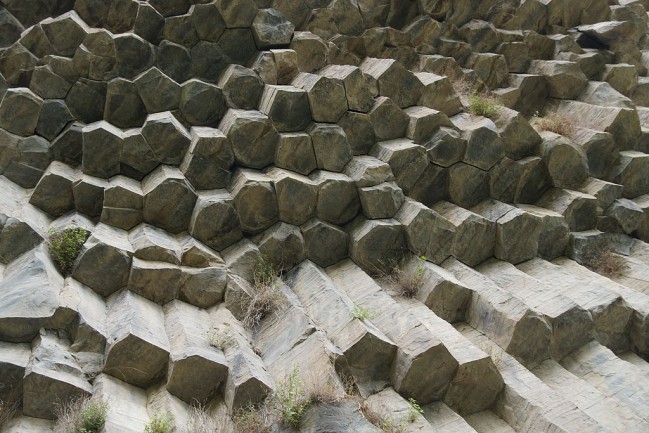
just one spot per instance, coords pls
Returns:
(180, 30)
(168, 8)
(271, 30)
(242, 87)
(208, 21)
(174, 60)
(168, 199)
(88, 195)
(24, 159)
(53, 193)
(19, 111)
(296, 196)
(86, 100)
(388, 121)
(46, 84)
(17, 65)
(208, 61)
(330, 145)
(137, 159)
(202, 104)
(124, 106)
(238, 46)
(317, 233)
(377, 245)
(359, 130)
(209, 159)
(68, 146)
(287, 107)
(54, 117)
(102, 146)
(215, 221)
(237, 14)
(148, 23)
(252, 136)
(158, 91)
(166, 137)
(338, 201)
(16, 238)
(122, 207)
(255, 200)
(134, 55)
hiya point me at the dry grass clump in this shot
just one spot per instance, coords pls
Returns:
(606, 263)
(253, 419)
(382, 421)
(266, 296)
(406, 282)
(200, 421)
(553, 122)
(8, 407)
(80, 415)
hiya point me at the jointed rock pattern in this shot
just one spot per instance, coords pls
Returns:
(330, 139)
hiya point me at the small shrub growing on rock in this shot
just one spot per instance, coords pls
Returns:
(200, 421)
(81, 415)
(160, 423)
(291, 399)
(414, 410)
(362, 313)
(220, 337)
(65, 246)
(483, 105)
(266, 296)
(406, 283)
(382, 421)
(252, 419)
(553, 122)
(8, 408)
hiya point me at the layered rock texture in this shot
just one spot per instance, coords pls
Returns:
(353, 146)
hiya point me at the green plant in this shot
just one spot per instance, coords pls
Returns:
(483, 105)
(252, 419)
(220, 337)
(291, 399)
(414, 410)
(362, 313)
(81, 415)
(65, 245)
(408, 281)
(266, 296)
(160, 423)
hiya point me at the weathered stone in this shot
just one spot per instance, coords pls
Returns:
(475, 236)
(484, 146)
(180, 29)
(438, 94)
(67, 147)
(532, 91)
(629, 173)
(215, 221)
(17, 65)
(207, 61)
(240, 14)
(368, 171)
(129, 404)
(29, 295)
(332, 151)
(24, 160)
(166, 137)
(122, 207)
(197, 254)
(104, 261)
(241, 259)
(394, 81)
(388, 121)
(252, 136)
(566, 163)
(124, 106)
(282, 245)
(510, 223)
(174, 60)
(357, 93)
(148, 23)
(326, 96)
(264, 66)
(519, 139)
(54, 117)
(359, 129)
(605, 192)
(254, 199)
(423, 122)
(287, 107)
(16, 238)
(522, 181)
(312, 51)
(51, 375)
(53, 193)
(137, 159)
(65, 33)
(565, 79)
(86, 100)
(381, 201)
(191, 353)
(369, 353)
(238, 46)
(203, 287)
(88, 195)
(579, 209)
(295, 153)
(445, 147)
(247, 381)
(156, 281)
(208, 161)
(376, 245)
(601, 93)
(242, 87)
(102, 146)
(317, 233)
(626, 213)
(133, 54)
(135, 325)
(296, 196)
(407, 160)
(201, 103)
(286, 64)
(270, 29)
(338, 201)
(554, 234)
(207, 21)
(158, 92)
(168, 199)
(152, 244)
(19, 111)
(46, 84)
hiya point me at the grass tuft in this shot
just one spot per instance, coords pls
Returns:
(81, 415)
(65, 246)
(483, 105)
(160, 423)
(553, 122)
(266, 296)
(362, 313)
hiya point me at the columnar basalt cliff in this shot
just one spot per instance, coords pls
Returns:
(325, 215)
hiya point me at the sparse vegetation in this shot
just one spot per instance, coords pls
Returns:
(291, 399)
(8, 407)
(606, 263)
(81, 415)
(253, 419)
(407, 282)
(220, 337)
(414, 410)
(382, 421)
(266, 296)
(200, 421)
(362, 313)
(160, 423)
(553, 122)
(483, 105)
(65, 246)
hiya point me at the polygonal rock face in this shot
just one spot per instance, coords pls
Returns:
(296, 196)
(203, 287)
(237, 14)
(53, 118)
(270, 29)
(376, 245)
(215, 221)
(158, 92)
(242, 87)
(167, 138)
(208, 161)
(207, 21)
(53, 193)
(122, 205)
(156, 281)
(124, 106)
(138, 348)
(201, 103)
(287, 106)
(86, 100)
(388, 121)
(102, 146)
(311, 50)
(19, 111)
(295, 153)
(134, 55)
(359, 130)
(104, 263)
(168, 199)
(394, 81)
(338, 201)
(325, 243)
(283, 244)
(16, 238)
(255, 200)
(330, 145)
(252, 136)
(326, 96)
